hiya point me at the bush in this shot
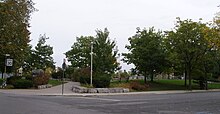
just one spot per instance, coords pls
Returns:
(23, 84)
(57, 75)
(84, 75)
(9, 87)
(101, 81)
(75, 76)
(135, 85)
(84, 80)
(12, 80)
(28, 77)
(1, 81)
(41, 80)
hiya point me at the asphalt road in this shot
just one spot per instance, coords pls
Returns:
(187, 103)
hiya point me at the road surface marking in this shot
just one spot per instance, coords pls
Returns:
(102, 99)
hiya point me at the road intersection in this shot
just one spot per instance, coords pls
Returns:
(50, 101)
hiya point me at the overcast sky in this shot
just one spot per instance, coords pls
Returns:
(63, 20)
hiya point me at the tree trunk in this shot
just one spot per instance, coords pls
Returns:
(206, 78)
(145, 79)
(151, 77)
(206, 84)
(185, 78)
(190, 77)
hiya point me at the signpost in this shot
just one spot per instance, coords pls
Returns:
(8, 63)
(64, 68)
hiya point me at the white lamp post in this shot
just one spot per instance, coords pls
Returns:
(91, 63)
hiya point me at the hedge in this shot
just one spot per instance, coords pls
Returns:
(23, 84)
(101, 81)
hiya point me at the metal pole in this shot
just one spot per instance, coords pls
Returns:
(63, 82)
(91, 63)
(64, 68)
(6, 56)
(3, 76)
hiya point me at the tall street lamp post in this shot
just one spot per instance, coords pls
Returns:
(91, 63)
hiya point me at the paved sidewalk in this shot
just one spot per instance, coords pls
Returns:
(57, 91)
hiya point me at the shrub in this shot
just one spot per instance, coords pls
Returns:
(11, 80)
(84, 75)
(23, 84)
(1, 81)
(28, 77)
(9, 87)
(75, 76)
(41, 80)
(84, 79)
(57, 75)
(135, 85)
(101, 81)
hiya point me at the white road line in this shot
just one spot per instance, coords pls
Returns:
(102, 99)
(145, 99)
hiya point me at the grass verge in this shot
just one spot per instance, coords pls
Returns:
(160, 85)
(55, 82)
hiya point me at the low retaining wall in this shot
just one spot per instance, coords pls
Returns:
(44, 86)
(79, 89)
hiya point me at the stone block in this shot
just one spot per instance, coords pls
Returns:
(49, 85)
(103, 90)
(78, 89)
(92, 90)
(126, 90)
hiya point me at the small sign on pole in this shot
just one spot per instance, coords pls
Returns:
(9, 62)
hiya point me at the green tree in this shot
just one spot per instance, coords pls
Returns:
(216, 70)
(41, 56)
(27, 66)
(79, 55)
(123, 75)
(104, 55)
(14, 33)
(217, 19)
(146, 52)
(188, 43)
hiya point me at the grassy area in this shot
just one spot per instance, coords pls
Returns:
(169, 85)
(214, 86)
(159, 85)
(122, 84)
(86, 85)
(55, 82)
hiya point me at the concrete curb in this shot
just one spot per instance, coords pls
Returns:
(129, 93)
(56, 91)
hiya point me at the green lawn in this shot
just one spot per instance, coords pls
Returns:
(169, 85)
(55, 82)
(214, 86)
(159, 85)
